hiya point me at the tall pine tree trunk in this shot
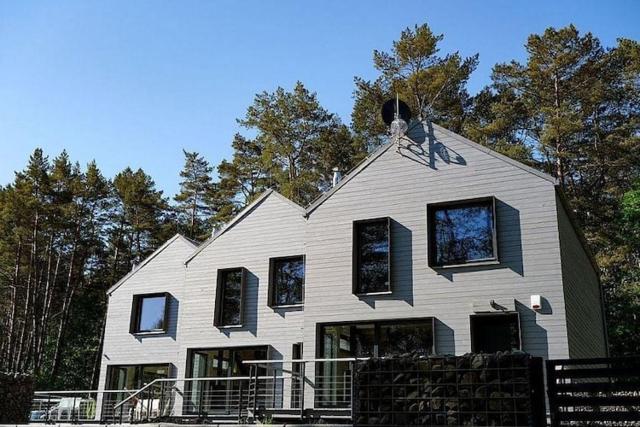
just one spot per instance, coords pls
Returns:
(8, 359)
(66, 304)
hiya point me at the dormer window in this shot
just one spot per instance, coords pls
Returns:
(149, 313)
(372, 256)
(462, 232)
(229, 297)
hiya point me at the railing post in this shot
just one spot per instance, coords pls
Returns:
(240, 402)
(273, 387)
(121, 409)
(73, 418)
(351, 394)
(149, 403)
(302, 387)
(255, 389)
(161, 402)
(200, 398)
(48, 407)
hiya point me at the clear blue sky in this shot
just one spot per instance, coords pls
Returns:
(131, 83)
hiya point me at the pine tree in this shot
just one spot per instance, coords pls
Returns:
(138, 220)
(434, 86)
(574, 106)
(196, 200)
(241, 180)
(298, 142)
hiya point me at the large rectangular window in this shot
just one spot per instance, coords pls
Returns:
(286, 281)
(495, 332)
(462, 232)
(149, 313)
(372, 256)
(364, 339)
(229, 297)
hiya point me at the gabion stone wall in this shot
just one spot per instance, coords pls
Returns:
(502, 389)
(16, 394)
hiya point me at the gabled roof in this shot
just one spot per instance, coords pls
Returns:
(155, 253)
(495, 154)
(430, 127)
(243, 214)
(348, 177)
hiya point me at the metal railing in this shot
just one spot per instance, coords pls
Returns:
(272, 388)
(73, 406)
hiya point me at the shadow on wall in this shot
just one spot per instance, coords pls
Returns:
(509, 244)
(533, 336)
(250, 300)
(445, 339)
(412, 147)
(401, 267)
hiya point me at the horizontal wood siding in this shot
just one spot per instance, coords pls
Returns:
(275, 228)
(164, 273)
(400, 185)
(585, 326)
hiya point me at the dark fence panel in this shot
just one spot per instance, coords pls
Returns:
(16, 395)
(503, 389)
(594, 391)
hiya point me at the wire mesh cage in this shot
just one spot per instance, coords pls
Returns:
(501, 389)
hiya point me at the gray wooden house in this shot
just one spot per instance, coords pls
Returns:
(433, 245)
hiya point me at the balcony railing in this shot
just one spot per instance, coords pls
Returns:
(274, 388)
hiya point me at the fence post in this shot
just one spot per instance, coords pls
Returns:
(536, 379)
(551, 392)
(48, 406)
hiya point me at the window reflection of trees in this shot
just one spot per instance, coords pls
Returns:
(289, 281)
(373, 246)
(231, 297)
(463, 234)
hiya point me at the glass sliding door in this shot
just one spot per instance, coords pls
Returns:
(364, 339)
(218, 396)
(131, 378)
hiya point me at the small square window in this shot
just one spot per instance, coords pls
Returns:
(462, 232)
(149, 313)
(495, 332)
(286, 281)
(229, 297)
(372, 256)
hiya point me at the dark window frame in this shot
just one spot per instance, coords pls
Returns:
(136, 312)
(377, 323)
(220, 288)
(271, 301)
(505, 314)
(192, 350)
(356, 257)
(112, 367)
(431, 223)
